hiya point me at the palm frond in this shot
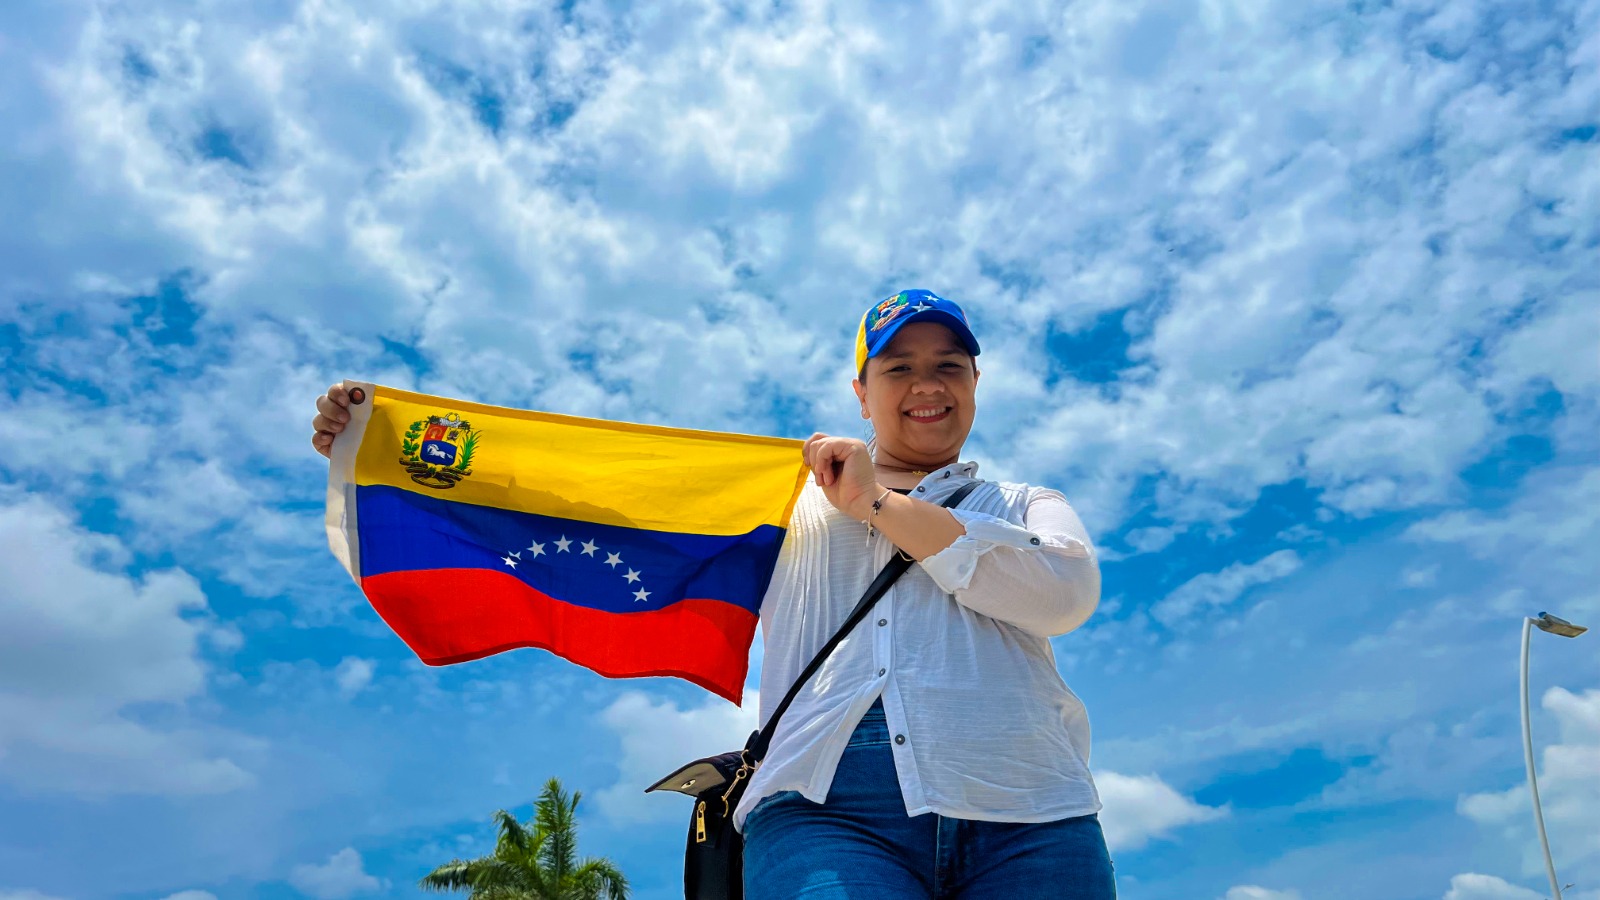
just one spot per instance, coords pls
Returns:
(600, 878)
(554, 814)
(448, 876)
(512, 835)
(486, 877)
(455, 875)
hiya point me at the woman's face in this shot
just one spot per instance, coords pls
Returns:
(920, 394)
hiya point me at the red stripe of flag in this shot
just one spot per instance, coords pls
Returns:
(454, 615)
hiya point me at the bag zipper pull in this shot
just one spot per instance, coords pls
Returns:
(700, 822)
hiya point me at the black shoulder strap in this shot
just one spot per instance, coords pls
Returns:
(898, 564)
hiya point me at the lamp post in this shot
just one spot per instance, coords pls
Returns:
(1562, 627)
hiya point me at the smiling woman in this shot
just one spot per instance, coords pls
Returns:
(936, 751)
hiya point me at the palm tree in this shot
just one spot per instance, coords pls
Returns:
(536, 861)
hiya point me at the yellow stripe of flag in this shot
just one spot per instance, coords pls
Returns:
(592, 470)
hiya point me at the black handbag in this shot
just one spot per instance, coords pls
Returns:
(713, 859)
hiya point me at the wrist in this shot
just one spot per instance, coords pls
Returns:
(864, 509)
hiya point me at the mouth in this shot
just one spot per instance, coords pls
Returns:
(927, 414)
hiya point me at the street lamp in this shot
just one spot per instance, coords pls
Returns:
(1562, 627)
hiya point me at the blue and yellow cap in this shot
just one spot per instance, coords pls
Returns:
(881, 322)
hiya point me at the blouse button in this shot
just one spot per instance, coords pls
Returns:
(881, 671)
(899, 739)
(1034, 541)
(882, 622)
(920, 488)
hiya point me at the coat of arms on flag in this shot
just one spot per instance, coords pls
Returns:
(438, 450)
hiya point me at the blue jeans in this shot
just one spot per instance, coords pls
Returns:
(861, 845)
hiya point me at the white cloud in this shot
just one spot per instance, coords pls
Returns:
(191, 895)
(1420, 576)
(353, 674)
(199, 481)
(1302, 333)
(1569, 791)
(1215, 589)
(1553, 522)
(1420, 759)
(1472, 886)
(26, 894)
(79, 647)
(1140, 808)
(657, 736)
(343, 875)
(1254, 892)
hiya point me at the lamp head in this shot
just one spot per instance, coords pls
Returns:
(1557, 625)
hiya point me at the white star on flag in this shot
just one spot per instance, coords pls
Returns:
(613, 559)
(921, 307)
(509, 561)
(537, 548)
(632, 576)
(589, 547)
(641, 595)
(563, 544)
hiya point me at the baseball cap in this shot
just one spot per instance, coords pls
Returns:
(883, 320)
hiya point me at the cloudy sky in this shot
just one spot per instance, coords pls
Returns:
(1298, 302)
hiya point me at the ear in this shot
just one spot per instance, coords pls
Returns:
(861, 395)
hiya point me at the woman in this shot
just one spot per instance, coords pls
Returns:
(937, 753)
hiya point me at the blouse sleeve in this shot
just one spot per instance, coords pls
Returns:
(1040, 576)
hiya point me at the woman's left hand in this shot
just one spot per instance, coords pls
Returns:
(843, 469)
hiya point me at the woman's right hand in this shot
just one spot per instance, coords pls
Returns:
(333, 413)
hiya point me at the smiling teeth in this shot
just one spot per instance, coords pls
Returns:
(929, 414)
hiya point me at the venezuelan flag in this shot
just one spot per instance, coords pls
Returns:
(631, 550)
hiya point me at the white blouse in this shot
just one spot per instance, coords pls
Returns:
(983, 725)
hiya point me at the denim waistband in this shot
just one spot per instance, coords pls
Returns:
(873, 728)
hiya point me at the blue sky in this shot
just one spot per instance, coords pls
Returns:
(1297, 302)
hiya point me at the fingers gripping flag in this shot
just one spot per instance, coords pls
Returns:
(631, 550)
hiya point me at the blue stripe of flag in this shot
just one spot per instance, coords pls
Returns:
(606, 567)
